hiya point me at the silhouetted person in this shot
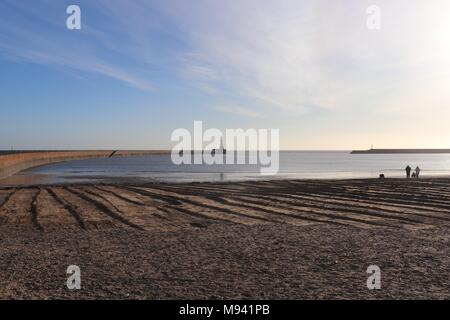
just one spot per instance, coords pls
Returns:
(408, 172)
(413, 175)
(417, 172)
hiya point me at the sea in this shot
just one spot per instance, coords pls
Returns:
(291, 165)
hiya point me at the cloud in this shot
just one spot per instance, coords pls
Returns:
(297, 56)
(88, 64)
(289, 55)
(199, 72)
(41, 40)
(240, 111)
(269, 53)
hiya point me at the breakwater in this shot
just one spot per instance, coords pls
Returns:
(401, 151)
(14, 162)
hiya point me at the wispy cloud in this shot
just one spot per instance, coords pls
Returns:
(290, 55)
(298, 56)
(240, 111)
(75, 62)
(46, 41)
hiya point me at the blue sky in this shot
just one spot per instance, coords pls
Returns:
(139, 69)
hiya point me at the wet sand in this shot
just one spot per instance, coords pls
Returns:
(244, 240)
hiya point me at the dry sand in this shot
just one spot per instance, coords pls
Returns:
(250, 240)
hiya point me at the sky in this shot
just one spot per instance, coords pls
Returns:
(139, 69)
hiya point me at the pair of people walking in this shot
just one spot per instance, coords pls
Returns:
(414, 174)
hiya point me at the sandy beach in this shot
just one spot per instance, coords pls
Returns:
(236, 240)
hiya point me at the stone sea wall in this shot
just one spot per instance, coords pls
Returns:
(15, 162)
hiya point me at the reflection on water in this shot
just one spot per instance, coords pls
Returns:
(293, 165)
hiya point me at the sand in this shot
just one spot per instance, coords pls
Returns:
(233, 240)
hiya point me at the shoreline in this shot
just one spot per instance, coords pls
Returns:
(42, 180)
(103, 171)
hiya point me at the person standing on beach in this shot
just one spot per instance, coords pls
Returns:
(417, 172)
(408, 172)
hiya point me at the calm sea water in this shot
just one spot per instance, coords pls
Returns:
(293, 165)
